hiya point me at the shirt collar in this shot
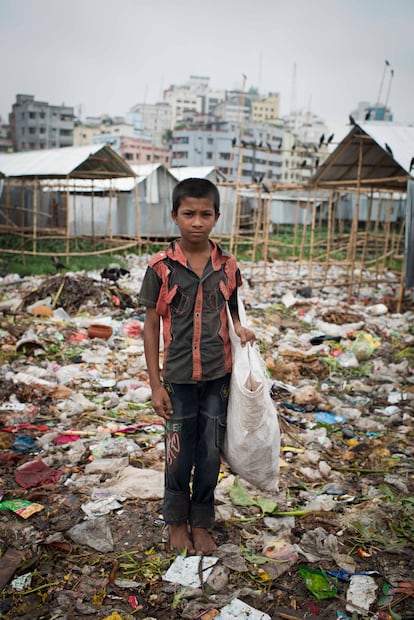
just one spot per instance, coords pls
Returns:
(175, 252)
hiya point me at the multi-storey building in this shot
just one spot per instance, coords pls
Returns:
(266, 109)
(248, 153)
(38, 125)
(6, 145)
(135, 150)
(193, 97)
(306, 126)
(85, 133)
(152, 120)
(139, 151)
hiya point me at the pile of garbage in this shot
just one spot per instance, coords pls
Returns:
(81, 529)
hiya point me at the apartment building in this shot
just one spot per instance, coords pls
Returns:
(139, 151)
(246, 153)
(266, 109)
(38, 125)
(6, 145)
(104, 126)
(152, 120)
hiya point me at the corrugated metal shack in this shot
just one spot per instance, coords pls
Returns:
(366, 178)
(37, 197)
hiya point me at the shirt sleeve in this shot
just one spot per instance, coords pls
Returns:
(150, 289)
(233, 297)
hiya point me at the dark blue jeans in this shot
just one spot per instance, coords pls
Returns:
(193, 441)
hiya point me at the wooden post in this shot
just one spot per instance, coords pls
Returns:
(328, 237)
(110, 210)
(34, 214)
(67, 240)
(137, 216)
(355, 221)
(312, 238)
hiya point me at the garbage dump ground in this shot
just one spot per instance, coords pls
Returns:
(81, 451)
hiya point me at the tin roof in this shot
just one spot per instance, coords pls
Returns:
(92, 161)
(197, 172)
(373, 154)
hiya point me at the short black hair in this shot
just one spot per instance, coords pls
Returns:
(195, 188)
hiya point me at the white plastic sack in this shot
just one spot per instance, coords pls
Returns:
(252, 441)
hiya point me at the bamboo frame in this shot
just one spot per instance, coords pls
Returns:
(371, 249)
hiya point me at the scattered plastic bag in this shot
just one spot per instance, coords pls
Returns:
(318, 582)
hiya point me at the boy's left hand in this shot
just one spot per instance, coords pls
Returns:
(245, 334)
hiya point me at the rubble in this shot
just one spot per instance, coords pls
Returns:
(81, 527)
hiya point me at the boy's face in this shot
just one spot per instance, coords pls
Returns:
(195, 219)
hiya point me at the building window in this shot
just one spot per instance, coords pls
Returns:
(32, 130)
(32, 114)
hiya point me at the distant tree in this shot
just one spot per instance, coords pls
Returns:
(167, 136)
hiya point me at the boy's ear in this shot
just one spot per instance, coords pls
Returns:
(173, 215)
(217, 215)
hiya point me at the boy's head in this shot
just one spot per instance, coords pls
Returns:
(195, 188)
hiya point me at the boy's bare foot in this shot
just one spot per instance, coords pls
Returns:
(203, 542)
(179, 538)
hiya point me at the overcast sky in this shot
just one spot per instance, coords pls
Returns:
(107, 55)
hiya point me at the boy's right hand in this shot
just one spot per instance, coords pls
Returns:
(161, 402)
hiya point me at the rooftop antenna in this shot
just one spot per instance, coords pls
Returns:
(388, 91)
(293, 90)
(260, 69)
(387, 64)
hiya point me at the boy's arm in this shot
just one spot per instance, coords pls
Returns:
(160, 399)
(245, 334)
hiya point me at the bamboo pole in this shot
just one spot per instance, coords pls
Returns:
(93, 214)
(75, 215)
(110, 210)
(137, 217)
(67, 233)
(34, 215)
(365, 241)
(376, 233)
(256, 230)
(355, 222)
(266, 226)
(22, 219)
(304, 230)
(387, 226)
(236, 210)
(329, 235)
(296, 226)
(312, 237)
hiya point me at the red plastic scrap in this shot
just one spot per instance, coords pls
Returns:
(61, 440)
(35, 474)
(404, 587)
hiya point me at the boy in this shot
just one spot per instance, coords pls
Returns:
(187, 285)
